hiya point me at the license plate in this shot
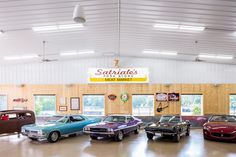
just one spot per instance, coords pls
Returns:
(157, 134)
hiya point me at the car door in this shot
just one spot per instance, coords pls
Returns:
(130, 124)
(10, 124)
(77, 123)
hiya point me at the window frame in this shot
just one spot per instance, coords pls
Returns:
(230, 103)
(5, 95)
(45, 95)
(202, 103)
(104, 104)
(153, 104)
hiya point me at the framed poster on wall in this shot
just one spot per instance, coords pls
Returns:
(161, 97)
(173, 96)
(75, 103)
(62, 108)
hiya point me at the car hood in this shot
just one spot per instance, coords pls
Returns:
(41, 126)
(221, 125)
(112, 125)
(162, 125)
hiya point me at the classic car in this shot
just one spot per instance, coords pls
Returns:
(11, 121)
(220, 127)
(169, 125)
(115, 126)
(53, 130)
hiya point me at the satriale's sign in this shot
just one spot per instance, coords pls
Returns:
(118, 75)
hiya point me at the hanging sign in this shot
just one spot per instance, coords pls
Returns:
(118, 75)
(161, 97)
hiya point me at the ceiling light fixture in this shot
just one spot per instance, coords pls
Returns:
(57, 27)
(170, 53)
(178, 27)
(71, 53)
(20, 57)
(213, 56)
(78, 15)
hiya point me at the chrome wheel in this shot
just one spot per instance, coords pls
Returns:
(53, 137)
(120, 136)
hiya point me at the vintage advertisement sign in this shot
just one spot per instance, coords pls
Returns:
(118, 75)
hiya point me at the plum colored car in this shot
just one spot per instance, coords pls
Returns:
(169, 125)
(115, 126)
(52, 131)
(220, 127)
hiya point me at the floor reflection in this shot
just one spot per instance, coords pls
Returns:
(132, 146)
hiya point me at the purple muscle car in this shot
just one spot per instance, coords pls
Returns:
(115, 126)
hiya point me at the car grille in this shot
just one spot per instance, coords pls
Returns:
(34, 132)
(98, 129)
(160, 130)
(222, 135)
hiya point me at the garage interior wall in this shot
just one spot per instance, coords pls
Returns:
(76, 71)
(215, 100)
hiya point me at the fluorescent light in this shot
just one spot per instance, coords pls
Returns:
(68, 53)
(206, 56)
(178, 27)
(86, 52)
(212, 56)
(172, 53)
(70, 26)
(71, 53)
(45, 28)
(168, 26)
(20, 57)
(57, 27)
(191, 28)
(224, 57)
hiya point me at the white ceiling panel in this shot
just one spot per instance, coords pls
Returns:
(100, 32)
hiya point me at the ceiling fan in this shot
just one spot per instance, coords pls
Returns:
(43, 56)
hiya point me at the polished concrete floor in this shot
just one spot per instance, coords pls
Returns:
(131, 146)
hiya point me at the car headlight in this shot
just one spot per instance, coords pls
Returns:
(207, 127)
(40, 132)
(86, 129)
(109, 129)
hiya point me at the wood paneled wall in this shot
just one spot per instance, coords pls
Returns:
(216, 97)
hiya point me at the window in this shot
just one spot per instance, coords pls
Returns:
(143, 105)
(191, 105)
(93, 105)
(232, 101)
(45, 105)
(3, 102)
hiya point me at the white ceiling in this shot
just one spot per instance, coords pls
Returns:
(100, 33)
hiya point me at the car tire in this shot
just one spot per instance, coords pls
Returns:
(137, 130)
(53, 137)
(93, 137)
(119, 137)
(150, 136)
(177, 138)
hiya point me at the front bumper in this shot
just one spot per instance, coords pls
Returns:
(208, 134)
(162, 131)
(100, 134)
(35, 136)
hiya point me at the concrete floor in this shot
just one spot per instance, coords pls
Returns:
(131, 146)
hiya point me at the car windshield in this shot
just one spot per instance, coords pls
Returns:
(63, 120)
(114, 119)
(170, 119)
(223, 118)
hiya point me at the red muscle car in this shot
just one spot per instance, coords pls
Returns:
(220, 127)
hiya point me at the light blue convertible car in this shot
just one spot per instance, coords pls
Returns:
(52, 131)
